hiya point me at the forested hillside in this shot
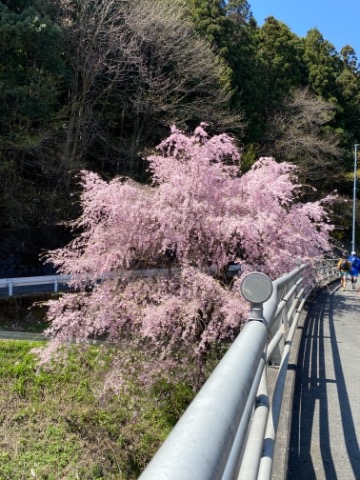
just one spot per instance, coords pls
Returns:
(97, 84)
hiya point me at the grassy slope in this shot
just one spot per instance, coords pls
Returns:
(59, 423)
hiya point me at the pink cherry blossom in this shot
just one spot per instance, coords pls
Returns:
(199, 207)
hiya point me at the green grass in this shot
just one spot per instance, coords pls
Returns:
(59, 422)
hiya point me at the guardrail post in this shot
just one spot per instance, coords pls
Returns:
(10, 283)
(256, 312)
(280, 319)
(56, 284)
(276, 356)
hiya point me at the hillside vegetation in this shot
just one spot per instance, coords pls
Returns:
(97, 85)
(60, 422)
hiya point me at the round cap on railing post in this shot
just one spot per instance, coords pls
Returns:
(256, 287)
(298, 261)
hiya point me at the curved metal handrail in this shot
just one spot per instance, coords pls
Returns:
(229, 430)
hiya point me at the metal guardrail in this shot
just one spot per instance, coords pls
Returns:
(52, 280)
(55, 281)
(229, 430)
(326, 271)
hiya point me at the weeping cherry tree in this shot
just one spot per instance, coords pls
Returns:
(206, 214)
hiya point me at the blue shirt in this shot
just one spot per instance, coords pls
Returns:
(355, 264)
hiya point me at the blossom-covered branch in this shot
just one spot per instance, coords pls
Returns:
(201, 210)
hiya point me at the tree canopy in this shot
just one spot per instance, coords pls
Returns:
(95, 85)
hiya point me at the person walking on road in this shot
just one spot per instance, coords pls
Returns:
(344, 267)
(354, 268)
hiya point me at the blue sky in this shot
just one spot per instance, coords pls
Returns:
(337, 21)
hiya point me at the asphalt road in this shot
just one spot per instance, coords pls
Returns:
(325, 425)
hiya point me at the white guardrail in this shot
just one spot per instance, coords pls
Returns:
(229, 430)
(53, 281)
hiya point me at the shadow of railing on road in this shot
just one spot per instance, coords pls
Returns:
(351, 440)
(310, 397)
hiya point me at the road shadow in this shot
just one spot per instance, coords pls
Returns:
(310, 402)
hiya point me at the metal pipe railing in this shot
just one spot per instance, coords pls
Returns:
(266, 463)
(235, 456)
(199, 445)
(253, 453)
(229, 430)
(52, 280)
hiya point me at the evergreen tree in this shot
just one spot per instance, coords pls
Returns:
(32, 78)
(322, 63)
(335, 78)
(280, 55)
(209, 18)
(348, 83)
(241, 55)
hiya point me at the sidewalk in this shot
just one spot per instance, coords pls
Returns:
(325, 426)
